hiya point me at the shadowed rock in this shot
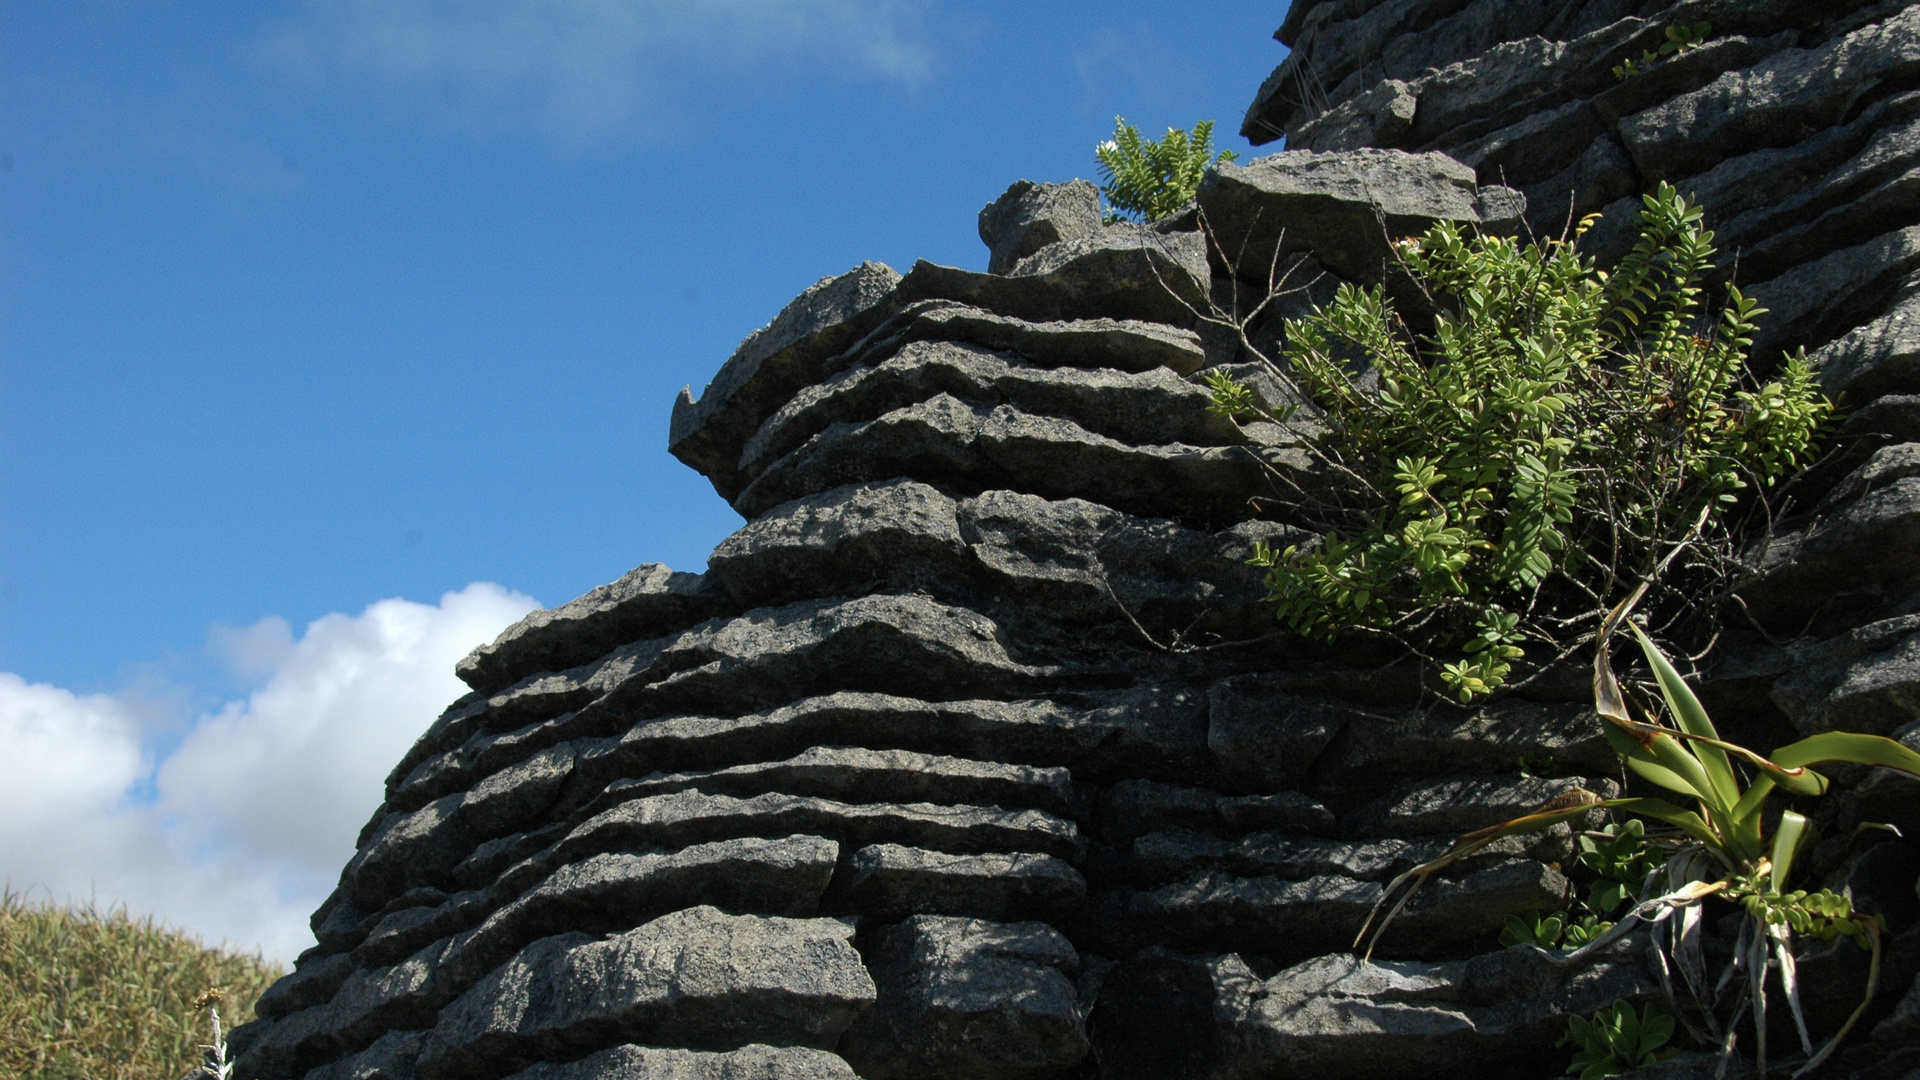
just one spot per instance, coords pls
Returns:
(967, 999)
(890, 881)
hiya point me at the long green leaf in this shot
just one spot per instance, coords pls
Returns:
(1690, 716)
(1786, 844)
(1747, 818)
(1676, 757)
(1661, 810)
(1643, 765)
(1850, 747)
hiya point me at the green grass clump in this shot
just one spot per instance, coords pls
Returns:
(92, 995)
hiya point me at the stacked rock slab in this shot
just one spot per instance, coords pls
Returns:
(973, 753)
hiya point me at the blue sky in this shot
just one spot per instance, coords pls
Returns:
(309, 306)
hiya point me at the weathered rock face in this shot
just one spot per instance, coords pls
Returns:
(973, 753)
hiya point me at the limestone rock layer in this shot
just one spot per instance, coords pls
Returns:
(973, 753)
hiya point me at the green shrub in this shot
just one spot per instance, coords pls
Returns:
(90, 995)
(1562, 434)
(1150, 180)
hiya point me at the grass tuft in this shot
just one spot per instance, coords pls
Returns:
(93, 995)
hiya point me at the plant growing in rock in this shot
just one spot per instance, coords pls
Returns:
(1680, 38)
(1146, 181)
(1562, 434)
(217, 1066)
(1616, 1040)
(1716, 841)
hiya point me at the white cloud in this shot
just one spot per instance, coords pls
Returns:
(578, 70)
(238, 831)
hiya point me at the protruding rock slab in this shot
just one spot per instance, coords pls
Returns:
(967, 999)
(1121, 344)
(1338, 1016)
(650, 601)
(418, 848)
(1155, 406)
(842, 541)
(390, 1057)
(1787, 97)
(886, 882)
(369, 1004)
(1121, 272)
(686, 817)
(980, 447)
(853, 774)
(1264, 735)
(1865, 680)
(1330, 205)
(1133, 808)
(1277, 917)
(1882, 357)
(1817, 301)
(313, 980)
(1031, 216)
(1874, 541)
(756, 1062)
(697, 978)
(771, 364)
(617, 891)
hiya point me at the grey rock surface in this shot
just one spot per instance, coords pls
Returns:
(1149, 407)
(693, 817)
(1331, 205)
(1815, 301)
(891, 881)
(876, 536)
(391, 1057)
(649, 601)
(1378, 118)
(370, 1003)
(1871, 541)
(616, 891)
(1866, 680)
(1882, 357)
(774, 361)
(1340, 1017)
(1783, 99)
(756, 1061)
(968, 999)
(697, 978)
(1133, 345)
(1031, 216)
(980, 447)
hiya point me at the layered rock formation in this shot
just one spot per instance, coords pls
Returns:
(973, 754)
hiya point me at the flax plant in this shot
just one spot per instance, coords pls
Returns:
(1718, 845)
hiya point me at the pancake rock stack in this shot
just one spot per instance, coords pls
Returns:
(974, 754)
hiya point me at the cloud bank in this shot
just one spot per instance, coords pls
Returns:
(236, 831)
(579, 70)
